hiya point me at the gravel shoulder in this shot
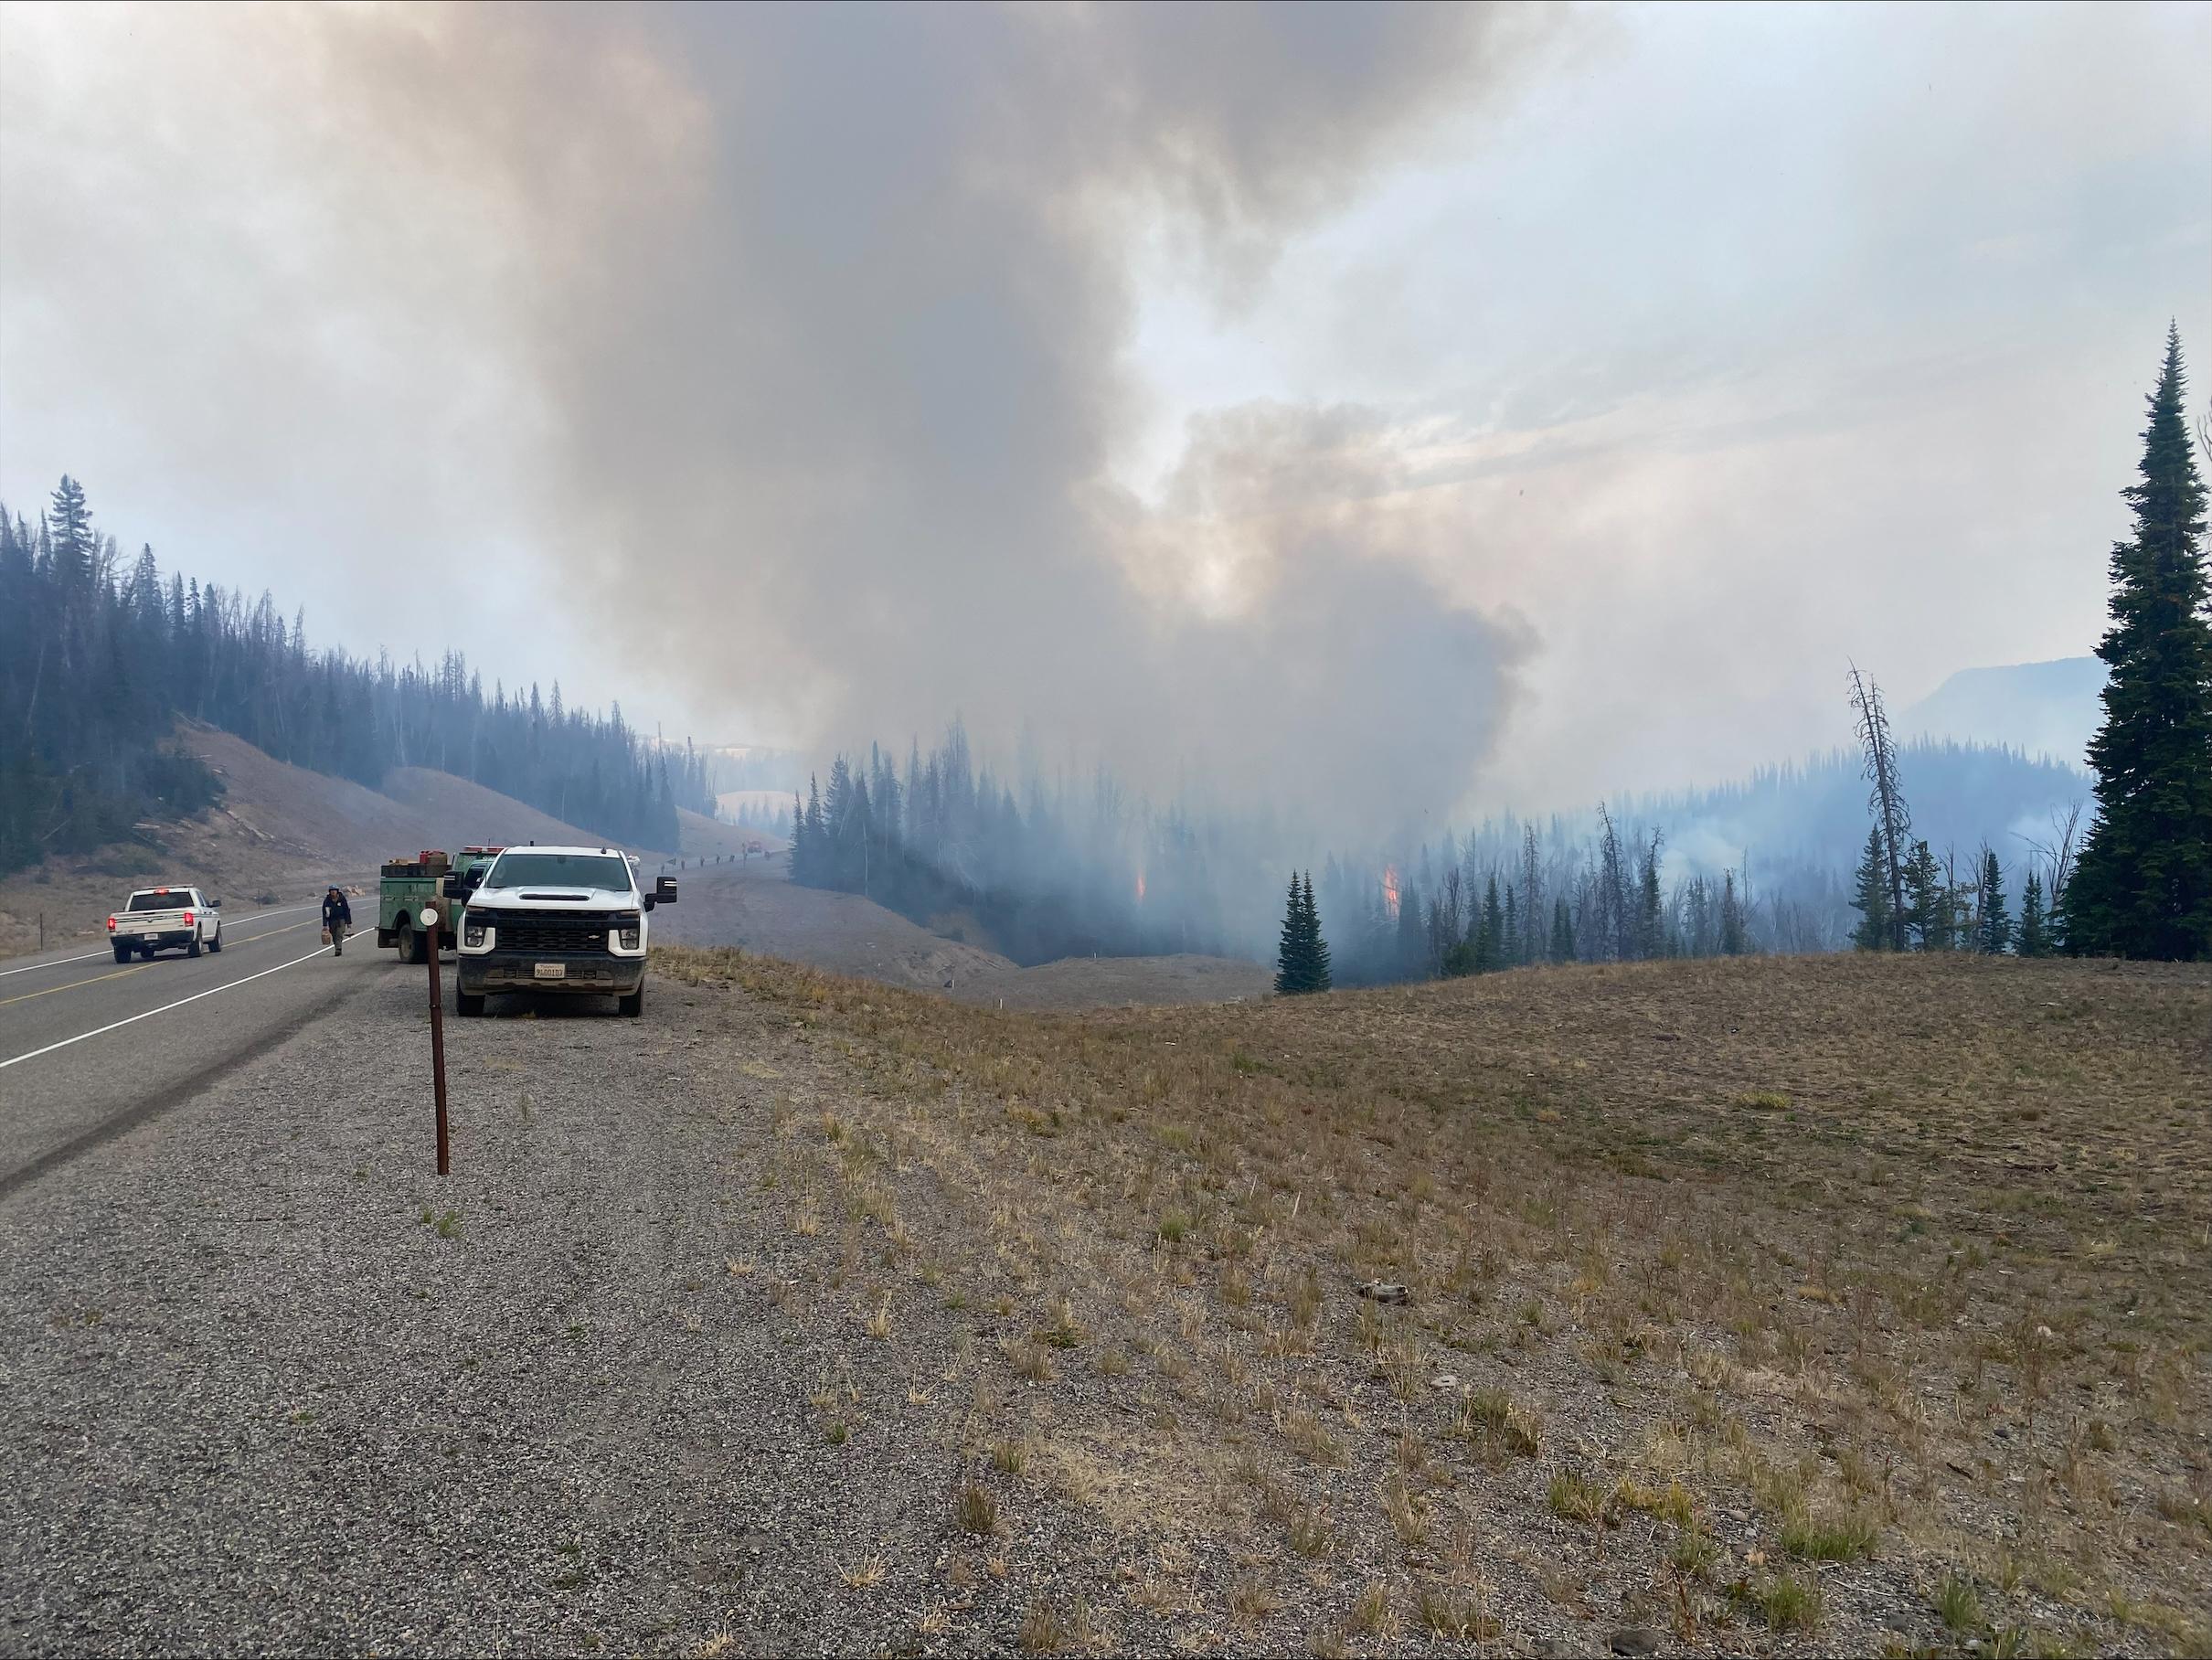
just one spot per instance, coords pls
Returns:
(271, 1385)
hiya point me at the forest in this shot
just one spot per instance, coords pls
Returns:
(1054, 867)
(99, 654)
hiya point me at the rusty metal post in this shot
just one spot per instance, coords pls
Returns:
(429, 927)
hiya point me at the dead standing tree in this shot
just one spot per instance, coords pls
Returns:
(1892, 818)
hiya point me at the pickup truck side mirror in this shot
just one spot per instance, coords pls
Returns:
(215, 904)
(663, 891)
(454, 887)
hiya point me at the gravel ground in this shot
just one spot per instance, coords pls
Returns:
(271, 1385)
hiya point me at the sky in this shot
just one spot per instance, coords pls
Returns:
(1384, 411)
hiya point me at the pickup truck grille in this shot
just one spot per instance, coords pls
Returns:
(551, 932)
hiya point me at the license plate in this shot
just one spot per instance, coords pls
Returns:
(552, 971)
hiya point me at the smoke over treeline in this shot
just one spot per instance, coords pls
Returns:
(804, 334)
(1042, 866)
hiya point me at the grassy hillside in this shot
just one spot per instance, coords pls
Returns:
(1805, 1305)
(278, 829)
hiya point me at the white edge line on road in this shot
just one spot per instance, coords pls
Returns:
(149, 1013)
(282, 910)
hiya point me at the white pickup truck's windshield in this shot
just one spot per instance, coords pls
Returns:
(160, 901)
(559, 870)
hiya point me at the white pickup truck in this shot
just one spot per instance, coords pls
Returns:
(556, 920)
(161, 918)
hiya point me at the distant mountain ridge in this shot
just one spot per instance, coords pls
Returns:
(2040, 708)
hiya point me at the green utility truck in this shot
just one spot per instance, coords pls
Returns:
(405, 885)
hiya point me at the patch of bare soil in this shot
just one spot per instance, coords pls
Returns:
(1783, 1307)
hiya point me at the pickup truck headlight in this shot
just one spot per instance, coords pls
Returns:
(631, 931)
(472, 932)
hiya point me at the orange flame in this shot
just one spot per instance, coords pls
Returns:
(1390, 890)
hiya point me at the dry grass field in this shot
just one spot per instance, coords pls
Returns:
(1807, 1305)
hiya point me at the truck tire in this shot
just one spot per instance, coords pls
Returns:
(466, 1004)
(631, 1004)
(193, 950)
(122, 951)
(409, 943)
(216, 943)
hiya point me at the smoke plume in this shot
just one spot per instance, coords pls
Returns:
(839, 385)
(799, 338)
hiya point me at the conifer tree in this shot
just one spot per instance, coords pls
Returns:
(1562, 931)
(1412, 938)
(1651, 929)
(1870, 896)
(1927, 900)
(2143, 886)
(1301, 962)
(1490, 945)
(2034, 936)
(1290, 953)
(1993, 932)
(1735, 936)
(1317, 948)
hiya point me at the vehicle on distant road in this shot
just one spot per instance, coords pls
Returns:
(405, 886)
(569, 919)
(166, 919)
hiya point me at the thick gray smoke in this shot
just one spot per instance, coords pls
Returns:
(838, 373)
(798, 337)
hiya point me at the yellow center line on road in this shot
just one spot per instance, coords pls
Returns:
(95, 979)
(72, 985)
(32, 968)
(275, 968)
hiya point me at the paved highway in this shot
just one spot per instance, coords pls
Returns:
(89, 1046)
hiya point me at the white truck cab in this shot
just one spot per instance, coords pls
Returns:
(166, 919)
(556, 919)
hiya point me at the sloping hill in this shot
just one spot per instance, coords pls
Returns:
(452, 812)
(710, 838)
(755, 907)
(280, 830)
(2040, 708)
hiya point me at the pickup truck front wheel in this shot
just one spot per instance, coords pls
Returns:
(122, 951)
(631, 1004)
(468, 1006)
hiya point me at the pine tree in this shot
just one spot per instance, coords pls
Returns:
(2033, 939)
(1927, 900)
(1412, 938)
(1562, 931)
(1651, 929)
(1885, 798)
(1302, 963)
(1317, 948)
(1994, 933)
(1870, 898)
(1490, 943)
(1291, 968)
(1735, 936)
(2143, 886)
